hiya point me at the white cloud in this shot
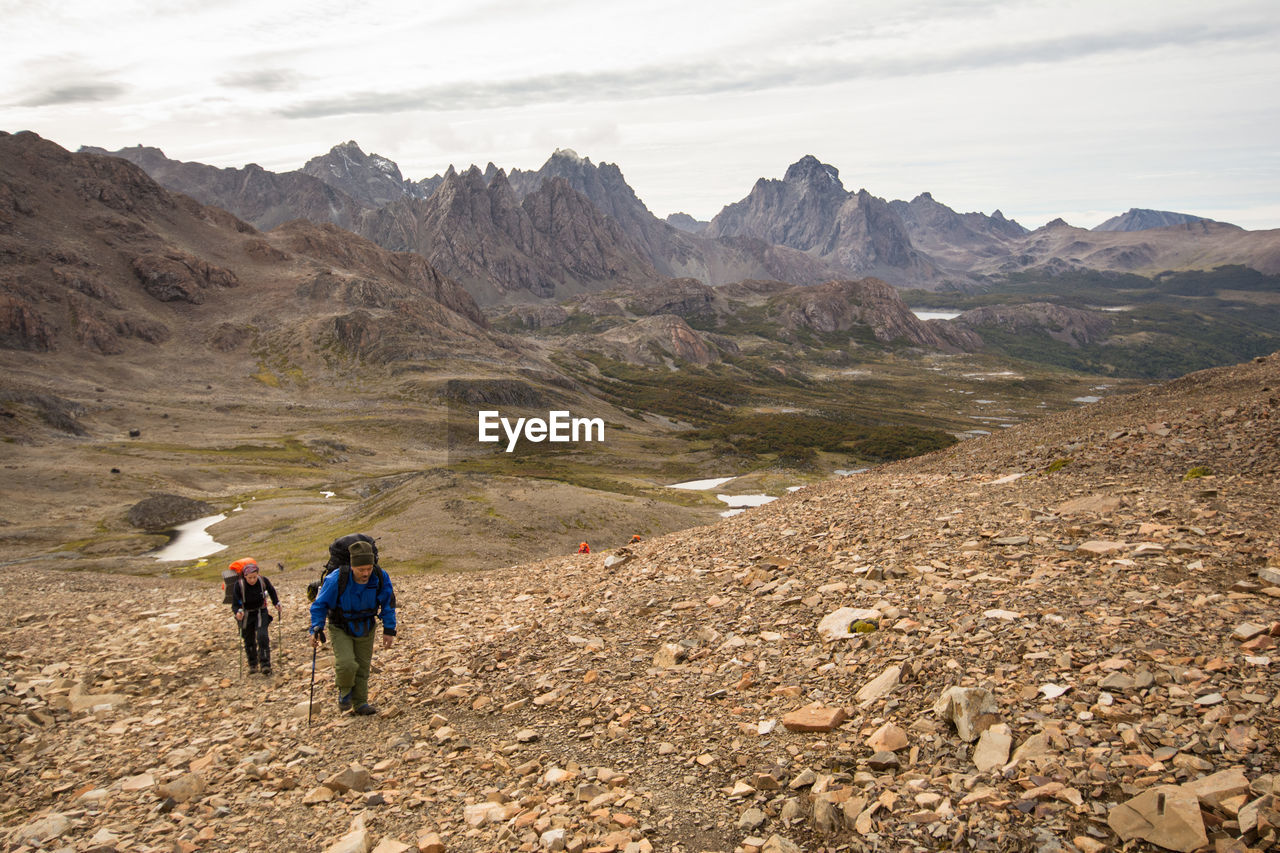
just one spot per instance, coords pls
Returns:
(1030, 107)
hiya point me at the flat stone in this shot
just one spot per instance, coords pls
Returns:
(814, 718)
(778, 844)
(317, 795)
(1101, 548)
(141, 782)
(1167, 815)
(1212, 790)
(391, 845)
(1097, 504)
(838, 625)
(992, 749)
(356, 840)
(1006, 615)
(42, 830)
(1247, 631)
(888, 738)
(879, 686)
(188, 786)
(353, 778)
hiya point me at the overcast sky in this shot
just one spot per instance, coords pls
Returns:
(1076, 108)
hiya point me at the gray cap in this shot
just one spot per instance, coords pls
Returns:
(361, 553)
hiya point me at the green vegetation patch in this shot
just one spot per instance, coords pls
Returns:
(795, 437)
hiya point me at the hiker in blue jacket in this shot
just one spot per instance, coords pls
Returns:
(351, 598)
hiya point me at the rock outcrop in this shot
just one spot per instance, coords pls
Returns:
(1073, 326)
(839, 306)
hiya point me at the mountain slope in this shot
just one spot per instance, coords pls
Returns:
(955, 239)
(105, 260)
(261, 198)
(1201, 245)
(1112, 621)
(553, 242)
(1140, 219)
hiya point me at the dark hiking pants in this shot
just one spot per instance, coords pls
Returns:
(257, 637)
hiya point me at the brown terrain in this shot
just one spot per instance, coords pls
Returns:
(1060, 637)
(1057, 638)
(152, 344)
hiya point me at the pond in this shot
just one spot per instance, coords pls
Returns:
(191, 541)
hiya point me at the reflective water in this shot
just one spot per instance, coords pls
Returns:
(191, 541)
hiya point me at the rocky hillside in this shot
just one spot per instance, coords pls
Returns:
(554, 242)
(262, 198)
(104, 261)
(956, 239)
(1202, 245)
(1058, 638)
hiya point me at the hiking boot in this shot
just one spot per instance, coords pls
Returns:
(344, 702)
(266, 670)
(253, 667)
(366, 710)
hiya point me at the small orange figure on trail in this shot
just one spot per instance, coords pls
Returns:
(635, 538)
(584, 548)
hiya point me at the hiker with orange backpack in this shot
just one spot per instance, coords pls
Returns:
(249, 594)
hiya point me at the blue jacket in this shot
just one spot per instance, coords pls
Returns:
(358, 606)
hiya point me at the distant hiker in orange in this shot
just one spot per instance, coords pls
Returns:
(634, 539)
(584, 548)
(249, 604)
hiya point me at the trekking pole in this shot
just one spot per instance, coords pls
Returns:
(311, 699)
(239, 651)
(280, 627)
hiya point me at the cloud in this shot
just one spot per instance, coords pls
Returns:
(75, 93)
(713, 78)
(262, 80)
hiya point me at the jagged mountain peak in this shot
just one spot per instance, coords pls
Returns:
(370, 178)
(809, 169)
(570, 155)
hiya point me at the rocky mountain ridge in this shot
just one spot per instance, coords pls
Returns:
(1059, 638)
(921, 243)
(103, 259)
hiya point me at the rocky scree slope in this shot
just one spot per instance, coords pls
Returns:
(1019, 643)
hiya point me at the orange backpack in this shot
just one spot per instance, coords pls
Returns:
(233, 573)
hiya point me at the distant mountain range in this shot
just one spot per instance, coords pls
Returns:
(575, 226)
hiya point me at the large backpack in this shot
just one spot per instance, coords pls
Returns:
(232, 574)
(340, 558)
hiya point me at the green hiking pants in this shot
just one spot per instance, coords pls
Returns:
(351, 659)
